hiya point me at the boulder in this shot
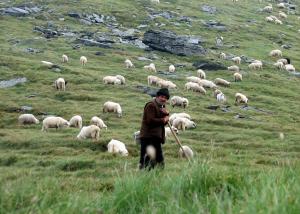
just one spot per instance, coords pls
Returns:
(209, 65)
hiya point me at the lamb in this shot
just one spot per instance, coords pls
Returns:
(60, 84)
(98, 122)
(207, 83)
(255, 66)
(222, 56)
(240, 98)
(276, 53)
(83, 60)
(237, 77)
(216, 92)
(121, 78)
(290, 68)
(186, 152)
(223, 82)
(128, 64)
(177, 115)
(233, 68)
(179, 101)
(172, 68)
(150, 67)
(47, 64)
(65, 58)
(27, 119)
(166, 84)
(183, 123)
(54, 122)
(91, 131)
(201, 74)
(279, 65)
(195, 87)
(111, 80)
(153, 80)
(112, 107)
(168, 132)
(117, 147)
(282, 15)
(76, 121)
(236, 60)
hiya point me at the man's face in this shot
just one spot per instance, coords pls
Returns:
(162, 99)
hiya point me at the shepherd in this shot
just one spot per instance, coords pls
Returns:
(152, 132)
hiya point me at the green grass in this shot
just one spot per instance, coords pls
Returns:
(241, 165)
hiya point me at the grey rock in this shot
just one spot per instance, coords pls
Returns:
(141, 58)
(98, 53)
(212, 24)
(147, 90)
(85, 22)
(74, 15)
(286, 46)
(168, 41)
(32, 50)
(213, 107)
(15, 11)
(209, 65)
(142, 26)
(128, 34)
(185, 19)
(209, 9)
(104, 39)
(26, 108)
(12, 82)
(91, 42)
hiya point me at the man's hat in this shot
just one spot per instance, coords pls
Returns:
(163, 92)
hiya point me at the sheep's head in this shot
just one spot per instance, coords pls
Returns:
(124, 152)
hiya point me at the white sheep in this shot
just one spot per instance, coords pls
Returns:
(279, 65)
(83, 60)
(276, 53)
(220, 81)
(168, 132)
(172, 68)
(281, 5)
(240, 98)
(150, 67)
(221, 98)
(128, 63)
(278, 22)
(290, 68)
(76, 121)
(112, 80)
(98, 122)
(236, 60)
(282, 15)
(194, 87)
(60, 84)
(54, 122)
(121, 78)
(207, 83)
(65, 58)
(237, 77)
(269, 19)
(216, 92)
(182, 123)
(194, 79)
(117, 147)
(284, 61)
(234, 68)
(268, 8)
(153, 80)
(27, 119)
(112, 107)
(166, 84)
(151, 152)
(177, 115)
(255, 66)
(179, 101)
(47, 64)
(222, 55)
(91, 131)
(201, 74)
(186, 153)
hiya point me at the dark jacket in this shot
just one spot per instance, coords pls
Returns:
(153, 124)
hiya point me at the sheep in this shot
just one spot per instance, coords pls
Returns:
(54, 122)
(282, 15)
(277, 21)
(128, 63)
(168, 132)
(98, 122)
(223, 82)
(83, 60)
(207, 83)
(222, 55)
(195, 87)
(233, 68)
(268, 8)
(276, 53)
(179, 101)
(121, 78)
(76, 121)
(112, 80)
(281, 136)
(112, 107)
(240, 98)
(172, 68)
(186, 152)
(166, 84)
(281, 5)
(91, 131)
(47, 64)
(60, 84)
(284, 61)
(177, 115)
(155, 1)
(194, 79)
(279, 65)
(237, 77)
(151, 152)
(255, 65)
(269, 19)
(216, 92)
(201, 74)
(117, 147)
(150, 67)
(65, 58)
(236, 60)
(183, 123)
(221, 98)
(27, 119)
(153, 80)
(290, 68)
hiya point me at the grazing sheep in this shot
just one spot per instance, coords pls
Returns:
(60, 84)
(76, 121)
(182, 123)
(240, 98)
(166, 84)
(194, 79)
(216, 92)
(54, 122)
(91, 131)
(172, 68)
(83, 60)
(150, 67)
(268, 8)
(281, 5)
(153, 80)
(276, 53)
(290, 67)
(177, 115)
(25, 119)
(65, 58)
(255, 66)
(168, 132)
(220, 81)
(121, 78)
(194, 87)
(179, 101)
(222, 56)
(112, 107)
(201, 74)
(186, 153)
(269, 19)
(98, 122)
(47, 64)
(128, 64)
(282, 15)
(221, 98)
(279, 65)
(237, 77)
(236, 60)
(117, 147)
(233, 68)
(284, 61)
(112, 80)
(278, 22)
(207, 83)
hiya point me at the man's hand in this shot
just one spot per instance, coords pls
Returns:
(166, 119)
(165, 112)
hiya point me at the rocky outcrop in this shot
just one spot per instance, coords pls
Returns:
(209, 65)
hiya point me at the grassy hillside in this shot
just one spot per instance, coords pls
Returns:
(240, 166)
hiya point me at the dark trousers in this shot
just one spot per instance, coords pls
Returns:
(145, 161)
